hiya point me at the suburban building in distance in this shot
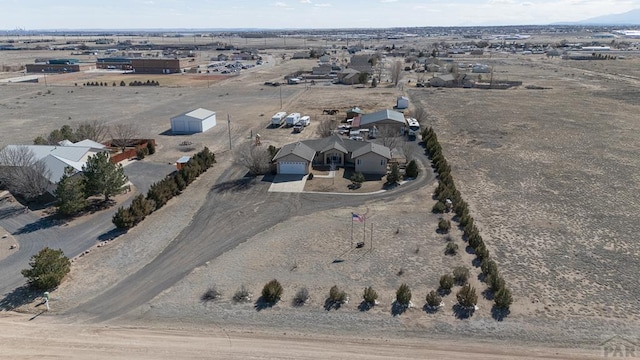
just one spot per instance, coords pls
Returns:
(58, 66)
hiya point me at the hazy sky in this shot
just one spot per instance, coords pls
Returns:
(128, 14)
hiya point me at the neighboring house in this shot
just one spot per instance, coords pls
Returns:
(323, 69)
(294, 159)
(372, 158)
(447, 80)
(362, 63)
(481, 69)
(194, 121)
(324, 59)
(222, 57)
(57, 158)
(366, 157)
(382, 119)
(301, 55)
(349, 76)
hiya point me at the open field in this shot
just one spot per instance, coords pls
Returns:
(551, 177)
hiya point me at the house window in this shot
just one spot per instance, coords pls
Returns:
(359, 162)
(381, 162)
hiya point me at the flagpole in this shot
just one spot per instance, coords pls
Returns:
(350, 246)
(364, 228)
(371, 236)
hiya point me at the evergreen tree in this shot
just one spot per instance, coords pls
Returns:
(272, 292)
(412, 169)
(370, 295)
(70, 192)
(48, 268)
(103, 177)
(503, 298)
(403, 295)
(393, 177)
(467, 296)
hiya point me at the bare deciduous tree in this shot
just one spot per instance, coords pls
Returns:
(389, 136)
(21, 173)
(420, 114)
(326, 127)
(408, 150)
(256, 159)
(123, 134)
(396, 72)
(95, 130)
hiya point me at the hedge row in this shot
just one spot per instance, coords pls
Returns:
(162, 191)
(446, 190)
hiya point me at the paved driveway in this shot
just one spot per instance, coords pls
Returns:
(288, 183)
(143, 174)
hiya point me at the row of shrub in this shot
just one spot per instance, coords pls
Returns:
(122, 83)
(272, 294)
(162, 191)
(446, 190)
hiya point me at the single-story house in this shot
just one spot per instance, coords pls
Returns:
(366, 157)
(294, 159)
(382, 119)
(372, 158)
(194, 121)
(221, 57)
(322, 69)
(301, 55)
(324, 59)
(57, 158)
(362, 63)
(349, 76)
(447, 80)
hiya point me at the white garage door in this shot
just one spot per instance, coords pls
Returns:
(293, 168)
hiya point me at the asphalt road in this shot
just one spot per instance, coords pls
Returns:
(34, 233)
(235, 210)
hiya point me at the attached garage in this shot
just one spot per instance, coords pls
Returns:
(286, 167)
(294, 159)
(192, 122)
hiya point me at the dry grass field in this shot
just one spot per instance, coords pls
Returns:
(551, 177)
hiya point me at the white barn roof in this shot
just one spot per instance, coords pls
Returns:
(199, 114)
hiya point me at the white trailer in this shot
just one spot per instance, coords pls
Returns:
(292, 119)
(278, 118)
(305, 120)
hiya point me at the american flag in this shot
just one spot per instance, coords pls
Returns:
(356, 217)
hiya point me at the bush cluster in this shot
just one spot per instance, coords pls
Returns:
(369, 295)
(272, 291)
(446, 190)
(336, 295)
(162, 191)
(147, 83)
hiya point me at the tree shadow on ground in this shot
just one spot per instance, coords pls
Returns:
(469, 250)
(499, 314)
(365, 306)
(476, 262)
(398, 309)
(462, 312)
(443, 292)
(331, 304)
(18, 297)
(430, 309)
(488, 294)
(262, 304)
(111, 234)
(235, 185)
(10, 212)
(41, 224)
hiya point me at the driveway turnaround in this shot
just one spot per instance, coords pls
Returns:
(288, 183)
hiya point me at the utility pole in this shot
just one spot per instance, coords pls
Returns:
(280, 87)
(229, 128)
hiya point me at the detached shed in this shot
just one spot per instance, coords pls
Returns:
(195, 121)
(402, 103)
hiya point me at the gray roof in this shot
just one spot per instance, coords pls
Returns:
(310, 147)
(299, 149)
(382, 115)
(446, 77)
(374, 148)
(57, 158)
(333, 141)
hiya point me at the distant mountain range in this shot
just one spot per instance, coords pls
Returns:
(629, 18)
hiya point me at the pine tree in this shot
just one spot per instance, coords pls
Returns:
(70, 192)
(503, 298)
(412, 169)
(48, 268)
(103, 177)
(403, 295)
(467, 296)
(393, 177)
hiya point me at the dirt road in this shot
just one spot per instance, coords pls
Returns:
(46, 337)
